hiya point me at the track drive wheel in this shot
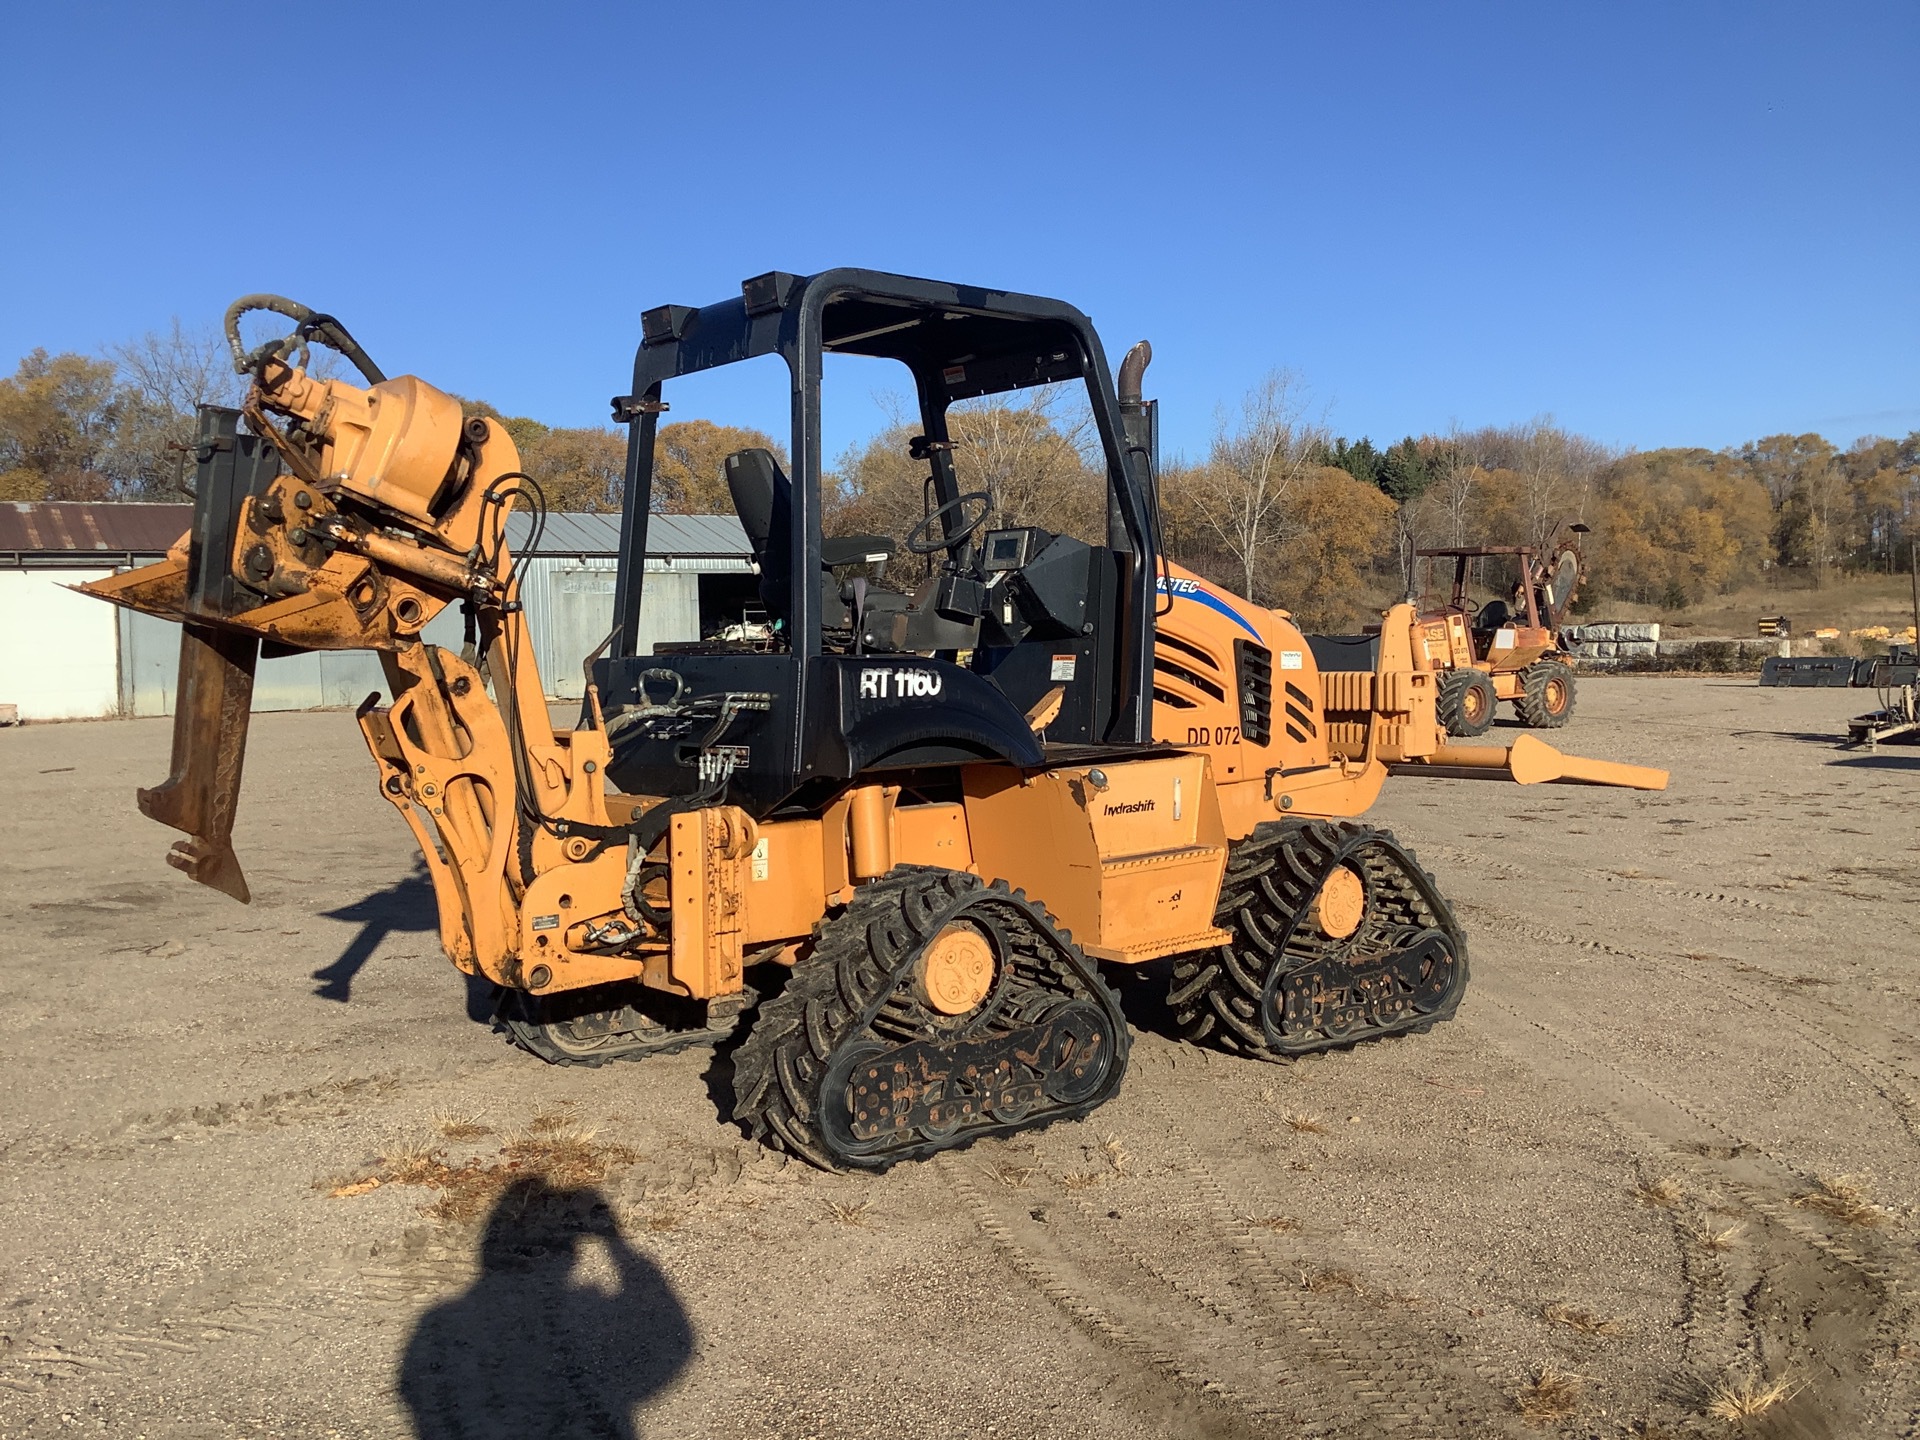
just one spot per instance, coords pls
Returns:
(1338, 936)
(1465, 702)
(1545, 701)
(932, 1010)
(623, 1021)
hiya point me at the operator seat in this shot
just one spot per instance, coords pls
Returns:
(1494, 615)
(763, 499)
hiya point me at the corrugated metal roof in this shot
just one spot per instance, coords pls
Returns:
(69, 526)
(688, 535)
(58, 527)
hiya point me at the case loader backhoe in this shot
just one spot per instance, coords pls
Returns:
(942, 813)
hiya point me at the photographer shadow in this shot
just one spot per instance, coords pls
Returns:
(533, 1350)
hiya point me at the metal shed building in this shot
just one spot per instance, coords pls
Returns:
(68, 656)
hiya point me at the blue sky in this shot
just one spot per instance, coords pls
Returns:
(1662, 223)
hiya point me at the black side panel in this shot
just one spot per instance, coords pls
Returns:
(1345, 652)
(895, 711)
(669, 763)
(228, 468)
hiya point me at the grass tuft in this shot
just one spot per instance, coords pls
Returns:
(1320, 1282)
(1584, 1322)
(1279, 1224)
(1708, 1238)
(1844, 1198)
(1081, 1179)
(566, 1157)
(1302, 1124)
(1661, 1194)
(453, 1125)
(1117, 1154)
(1551, 1394)
(850, 1212)
(1746, 1396)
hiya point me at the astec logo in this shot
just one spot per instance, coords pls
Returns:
(899, 684)
(1177, 585)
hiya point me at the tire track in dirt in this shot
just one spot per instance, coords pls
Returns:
(1359, 1341)
(1644, 1110)
(1336, 1360)
(1887, 1080)
(1136, 1330)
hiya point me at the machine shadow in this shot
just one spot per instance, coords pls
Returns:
(1879, 760)
(403, 908)
(531, 1348)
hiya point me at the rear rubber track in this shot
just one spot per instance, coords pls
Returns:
(1219, 996)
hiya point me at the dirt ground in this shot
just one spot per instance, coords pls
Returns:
(1688, 1011)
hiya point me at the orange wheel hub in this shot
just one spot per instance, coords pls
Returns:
(957, 970)
(1341, 904)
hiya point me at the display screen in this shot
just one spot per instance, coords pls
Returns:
(1006, 549)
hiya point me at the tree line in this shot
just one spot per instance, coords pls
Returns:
(1278, 507)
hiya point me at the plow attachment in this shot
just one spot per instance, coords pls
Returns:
(209, 746)
(1529, 762)
(194, 585)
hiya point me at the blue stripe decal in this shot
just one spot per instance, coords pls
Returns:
(1187, 590)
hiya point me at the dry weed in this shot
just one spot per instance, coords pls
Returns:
(1014, 1177)
(548, 1120)
(1744, 1397)
(1279, 1224)
(1844, 1197)
(1302, 1124)
(1585, 1322)
(1552, 1394)
(1709, 1238)
(453, 1125)
(1322, 1281)
(850, 1212)
(1080, 1179)
(1117, 1154)
(662, 1221)
(1661, 1194)
(564, 1157)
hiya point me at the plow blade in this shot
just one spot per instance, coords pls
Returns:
(1529, 762)
(210, 719)
(196, 586)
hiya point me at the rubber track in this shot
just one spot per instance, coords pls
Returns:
(1272, 875)
(859, 960)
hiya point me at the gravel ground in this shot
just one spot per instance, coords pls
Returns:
(1689, 1012)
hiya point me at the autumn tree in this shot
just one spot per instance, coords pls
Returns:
(1027, 454)
(1260, 456)
(165, 376)
(1336, 525)
(57, 418)
(1672, 527)
(689, 458)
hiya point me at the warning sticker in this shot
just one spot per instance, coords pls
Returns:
(1290, 659)
(760, 859)
(954, 374)
(1063, 667)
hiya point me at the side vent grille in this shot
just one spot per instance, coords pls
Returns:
(1184, 665)
(1253, 667)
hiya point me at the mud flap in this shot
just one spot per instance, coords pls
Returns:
(200, 796)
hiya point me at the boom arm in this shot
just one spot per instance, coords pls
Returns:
(392, 506)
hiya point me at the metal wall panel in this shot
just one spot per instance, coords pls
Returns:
(57, 650)
(569, 610)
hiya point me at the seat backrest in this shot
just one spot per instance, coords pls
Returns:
(1493, 615)
(763, 499)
